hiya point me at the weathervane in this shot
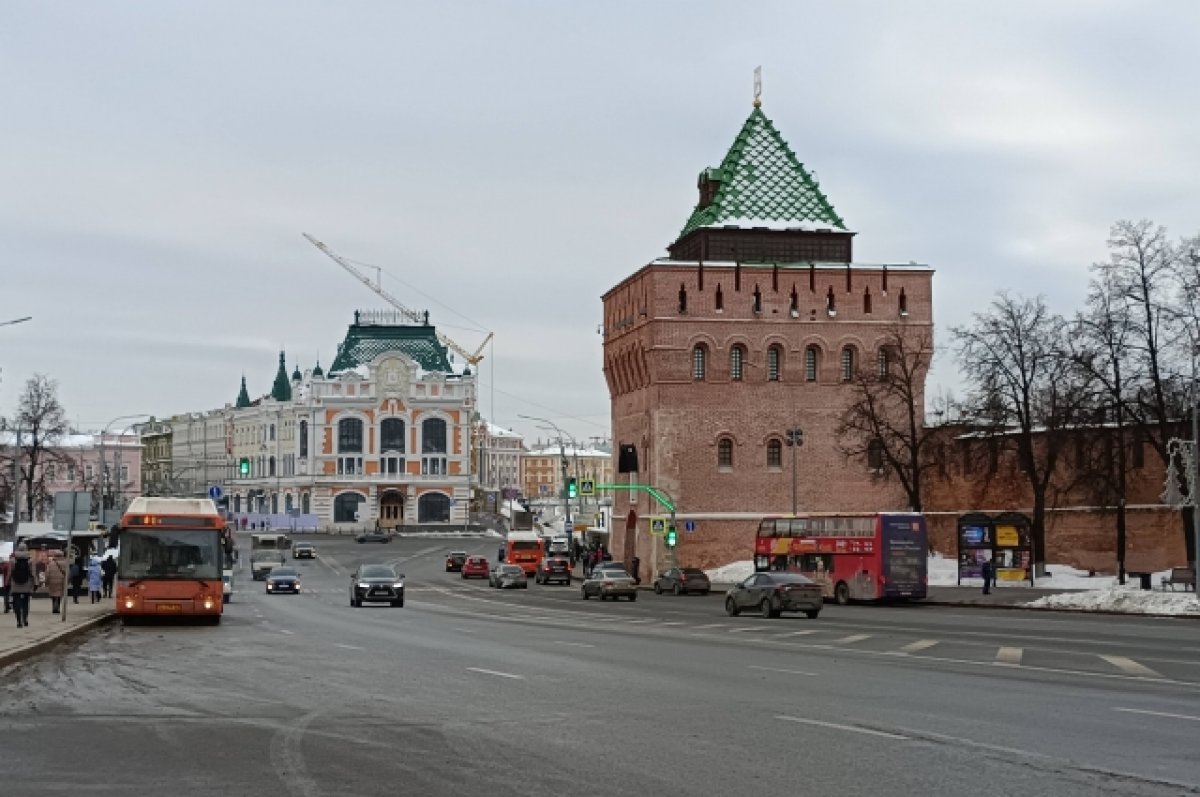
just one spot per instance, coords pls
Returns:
(758, 87)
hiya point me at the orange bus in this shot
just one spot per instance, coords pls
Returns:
(172, 552)
(524, 549)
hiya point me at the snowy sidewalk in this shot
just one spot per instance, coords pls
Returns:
(46, 630)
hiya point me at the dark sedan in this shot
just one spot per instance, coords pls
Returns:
(376, 584)
(774, 593)
(556, 568)
(372, 536)
(679, 580)
(283, 579)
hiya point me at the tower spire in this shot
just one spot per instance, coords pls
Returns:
(758, 87)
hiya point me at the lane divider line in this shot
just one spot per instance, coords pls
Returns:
(1009, 656)
(497, 673)
(839, 727)
(850, 640)
(920, 644)
(573, 644)
(1130, 666)
(780, 669)
(1167, 714)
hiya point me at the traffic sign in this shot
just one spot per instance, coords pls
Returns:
(689, 526)
(658, 525)
(215, 492)
(587, 487)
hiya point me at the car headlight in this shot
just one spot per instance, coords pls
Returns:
(362, 585)
(398, 585)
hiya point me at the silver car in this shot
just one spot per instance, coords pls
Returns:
(503, 576)
(610, 583)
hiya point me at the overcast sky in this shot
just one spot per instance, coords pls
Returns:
(507, 163)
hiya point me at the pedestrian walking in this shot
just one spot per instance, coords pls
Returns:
(22, 584)
(5, 566)
(108, 569)
(636, 564)
(95, 580)
(56, 580)
(75, 574)
(988, 573)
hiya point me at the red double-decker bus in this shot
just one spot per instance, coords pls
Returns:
(853, 557)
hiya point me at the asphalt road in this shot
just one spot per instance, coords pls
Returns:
(468, 690)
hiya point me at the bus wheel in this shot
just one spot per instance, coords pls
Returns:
(731, 608)
(841, 593)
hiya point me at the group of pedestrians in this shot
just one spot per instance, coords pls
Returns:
(21, 577)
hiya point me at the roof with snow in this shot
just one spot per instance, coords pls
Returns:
(761, 183)
(366, 341)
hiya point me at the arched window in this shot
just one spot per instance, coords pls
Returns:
(810, 364)
(345, 507)
(882, 363)
(847, 364)
(875, 454)
(773, 359)
(433, 508)
(737, 356)
(699, 361)
(350, 436)
(391, 435)
(433, 436)
(725, 453)
(303, 439)
(903, 303)
(774, 454)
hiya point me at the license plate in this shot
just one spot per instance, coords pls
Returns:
(170, 608)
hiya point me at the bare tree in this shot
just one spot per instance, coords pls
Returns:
(885, 425)
(40, 424)
(1024, 392)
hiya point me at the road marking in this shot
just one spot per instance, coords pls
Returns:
(799, 633)
(464, 630)
(673, 622)
(747, 628)
(920, 644)
(711, 625)
(287, 758)
(351, 647)
(285, 631)
(780, 669)
(1130, 666)
(497, 673)
(1009, 656)
(573, 644)
(850, 640)
(1158, 714)
(839, 727)
(639, 622)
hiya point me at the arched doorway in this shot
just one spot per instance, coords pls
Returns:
(433, 508)
(391, 509)
(346, 508)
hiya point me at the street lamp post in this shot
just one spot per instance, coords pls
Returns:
(795, 439)
(562, 453)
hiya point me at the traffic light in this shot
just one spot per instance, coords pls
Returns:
(672, 537)
(572, 487)
(244, 466)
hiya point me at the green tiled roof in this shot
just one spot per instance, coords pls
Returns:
(243, 399)
(365, 342)
(761, 181)
(282, 389)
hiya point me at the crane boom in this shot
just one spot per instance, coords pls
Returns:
(412, 315)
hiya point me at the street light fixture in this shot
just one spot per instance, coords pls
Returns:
(795, 439)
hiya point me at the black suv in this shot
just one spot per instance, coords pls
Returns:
(376, 584)
(556, 568)
(455, 561)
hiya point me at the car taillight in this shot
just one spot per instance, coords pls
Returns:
(683, 577)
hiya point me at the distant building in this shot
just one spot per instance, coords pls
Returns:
(755, 323)
(108, 467)
(542, 468)
(498, 462)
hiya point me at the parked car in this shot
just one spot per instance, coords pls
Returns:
(283, 579)
(376, 584)
(303, 550)
(609, 583)
(556, 568)
(773, 593)
(610, 565)
(503, 576)
(680, 580)
(475, 567)
(372, 536)
(455, 560)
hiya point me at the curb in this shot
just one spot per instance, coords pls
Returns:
(42, 645)
(1059, 609)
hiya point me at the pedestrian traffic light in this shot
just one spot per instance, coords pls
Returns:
(672, 537)
(572, 487)
(244, 466)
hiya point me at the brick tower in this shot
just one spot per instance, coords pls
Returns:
(754, 324)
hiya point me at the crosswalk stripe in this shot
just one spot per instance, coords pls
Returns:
(850, 640)
(745, 629)
(799, 633)
(920, 644)
(1011, 656)
(711, 625)
(1130, 666)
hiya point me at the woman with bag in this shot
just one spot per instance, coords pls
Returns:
(56, 581)
(21, 584)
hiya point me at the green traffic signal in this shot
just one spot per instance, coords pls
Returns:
(572, 487)
(672, 537)
(244, 466)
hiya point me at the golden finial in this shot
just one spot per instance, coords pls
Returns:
(758, 87)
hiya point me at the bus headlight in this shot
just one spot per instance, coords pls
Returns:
(129, 602)
(208, 602)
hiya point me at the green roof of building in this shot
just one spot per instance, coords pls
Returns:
(365, 342)
(762, 184)
(282, 389)
(243, 398)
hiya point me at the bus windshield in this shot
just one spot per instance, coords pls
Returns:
(183, 555)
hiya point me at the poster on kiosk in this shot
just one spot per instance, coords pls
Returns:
(1014, 549)
(976, 542)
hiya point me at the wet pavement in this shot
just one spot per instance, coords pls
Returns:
(46, 629)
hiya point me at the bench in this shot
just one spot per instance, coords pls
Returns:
(1180, 575)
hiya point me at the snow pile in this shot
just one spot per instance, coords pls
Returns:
(731, 573)
(1127, 600)
(943, 572)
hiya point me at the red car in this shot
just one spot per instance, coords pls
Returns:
(475, 567)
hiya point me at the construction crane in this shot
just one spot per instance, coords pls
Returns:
(412, 315)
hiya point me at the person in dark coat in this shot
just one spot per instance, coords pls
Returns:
(988, 575)
(108, 570)
(76, 576)
(23, 581)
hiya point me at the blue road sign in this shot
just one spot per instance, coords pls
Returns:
(215, 492)
(689, 526)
